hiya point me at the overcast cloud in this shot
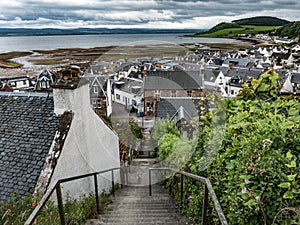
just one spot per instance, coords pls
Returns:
(139, 14)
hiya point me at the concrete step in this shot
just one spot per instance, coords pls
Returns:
(133, 205)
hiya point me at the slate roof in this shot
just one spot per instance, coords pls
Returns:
(173, 80)
(295, 78)
(211, 75)
(167, 107)
(28, 127)
(242, 73)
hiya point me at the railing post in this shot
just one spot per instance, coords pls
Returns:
(205, 203)
(60, 204)
(181, 191)
(113, 182)
(150, 191)
(126, 175)
(122, 180)
(96, 193)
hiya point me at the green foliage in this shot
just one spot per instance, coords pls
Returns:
(222, 26)
(17, 210)
(162, 127)
(266, 87)
(255, 174)
(243, 29)
(262, 21)
(136, 130)
(289, 30)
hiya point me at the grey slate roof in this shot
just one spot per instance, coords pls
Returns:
(295, 78)
(167, 107)
(28, 127)
(173, 80)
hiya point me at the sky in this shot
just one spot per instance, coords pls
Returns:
(163, 14)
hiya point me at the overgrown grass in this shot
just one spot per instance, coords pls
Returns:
(77, 211)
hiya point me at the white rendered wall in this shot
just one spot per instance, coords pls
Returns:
(89, 147)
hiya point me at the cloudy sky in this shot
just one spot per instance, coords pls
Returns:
(139, 13)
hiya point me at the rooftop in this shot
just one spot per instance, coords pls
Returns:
(28, 127)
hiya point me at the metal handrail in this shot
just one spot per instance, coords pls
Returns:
(56, 185)
(207, 189)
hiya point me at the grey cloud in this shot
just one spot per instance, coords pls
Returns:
(129, 12)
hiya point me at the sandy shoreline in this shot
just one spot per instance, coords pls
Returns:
(33, 62)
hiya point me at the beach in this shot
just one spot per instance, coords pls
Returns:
(31, 63)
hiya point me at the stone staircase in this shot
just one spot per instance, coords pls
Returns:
(133, 206)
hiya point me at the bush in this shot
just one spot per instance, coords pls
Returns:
(256, 172)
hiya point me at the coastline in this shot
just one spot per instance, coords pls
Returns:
(31, 63)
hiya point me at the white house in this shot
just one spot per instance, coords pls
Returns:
(129, 92)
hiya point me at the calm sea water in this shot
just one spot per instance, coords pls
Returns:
(27, 43)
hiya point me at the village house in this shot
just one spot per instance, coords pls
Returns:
(236, 76)
(45, 137)
(45, 79)
(23, 83)
(129, 93)
(100, 93)
(172, 84)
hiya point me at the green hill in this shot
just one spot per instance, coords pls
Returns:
(253, 25)
(262, 21)
(289, 30)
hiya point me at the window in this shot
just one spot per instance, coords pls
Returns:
(173, 93)
(24, 82)
(189, 93)
(95, 89)
(44, 84)
(97, 103)
(118, 97)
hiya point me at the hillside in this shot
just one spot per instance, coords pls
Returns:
(289, 30)
(87, 31)
(262, 21)
(253, 25)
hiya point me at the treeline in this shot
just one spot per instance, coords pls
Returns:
(262, 21)
(290, 30)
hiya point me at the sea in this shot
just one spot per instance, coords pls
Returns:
(31, 43)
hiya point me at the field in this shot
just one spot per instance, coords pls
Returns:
(233, 32)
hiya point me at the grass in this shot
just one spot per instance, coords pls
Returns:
(77, 211)
(9, 64)
(233, 32)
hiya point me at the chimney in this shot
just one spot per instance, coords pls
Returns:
(70, 95)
